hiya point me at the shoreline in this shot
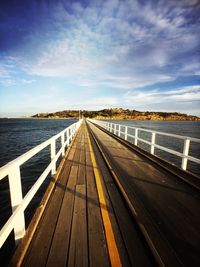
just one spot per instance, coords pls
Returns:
(139, 118)
(104, 119)
(38, 118)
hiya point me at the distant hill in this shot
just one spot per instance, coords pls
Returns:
(118, 114)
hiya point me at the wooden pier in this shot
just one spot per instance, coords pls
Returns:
(112, 206)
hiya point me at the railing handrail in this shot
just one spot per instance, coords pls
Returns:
(29, 154)
(112, 127)
(12, 170)
(158, 132)
(32, 152)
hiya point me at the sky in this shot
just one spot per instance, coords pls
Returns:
(61, 54)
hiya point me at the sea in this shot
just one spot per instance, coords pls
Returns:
(17, 136)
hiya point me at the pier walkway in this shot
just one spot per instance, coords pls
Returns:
(112, 206)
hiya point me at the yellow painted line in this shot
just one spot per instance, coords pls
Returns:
(110, 238)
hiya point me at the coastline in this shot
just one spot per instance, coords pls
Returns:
(109, 119)
(147, 119)
(124, 119)
(38, 118)
(119, 114)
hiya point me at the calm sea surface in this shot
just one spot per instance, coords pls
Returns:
(17, 136)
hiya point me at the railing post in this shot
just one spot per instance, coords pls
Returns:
(16, 198)
(70, 135)
(153, 138)
(107, 126)
(67, 136)
(74, 130)
(185, 153)
(53, 154)
(126, 132)
(136, 136)
(115, 128)
(119, 131)
(62, 143)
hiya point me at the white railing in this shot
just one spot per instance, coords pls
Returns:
(123, 131)
(12, 171)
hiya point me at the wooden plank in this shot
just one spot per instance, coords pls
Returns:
(98, 253)
(161, 198)
(137, 251)
(138, 254)
(113, 232)
(40, 245)
(77, 151)
(60, 243)
(38, 251)
(81, 169)
(78, 252)
(24, 245)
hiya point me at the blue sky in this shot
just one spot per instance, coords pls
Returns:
(60, 54)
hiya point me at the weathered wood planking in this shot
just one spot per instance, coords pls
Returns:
(137, 254)
(39, 249)
(60, 243)
(96, 235)
(117, 235)
(81, 169)
(78, 251)
(169, 203)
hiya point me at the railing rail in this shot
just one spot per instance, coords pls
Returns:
(12, 171)
(119, 129)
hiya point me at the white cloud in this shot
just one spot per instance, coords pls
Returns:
(188, 93)
(27, 81)
(97, 103)
(120, 39)
(4, 72)
(5, 77)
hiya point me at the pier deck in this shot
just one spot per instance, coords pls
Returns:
(113, 207)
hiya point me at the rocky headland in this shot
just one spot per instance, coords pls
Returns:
(119, 114)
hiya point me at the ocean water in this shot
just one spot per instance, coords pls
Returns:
(184, 128)
(17, 136)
